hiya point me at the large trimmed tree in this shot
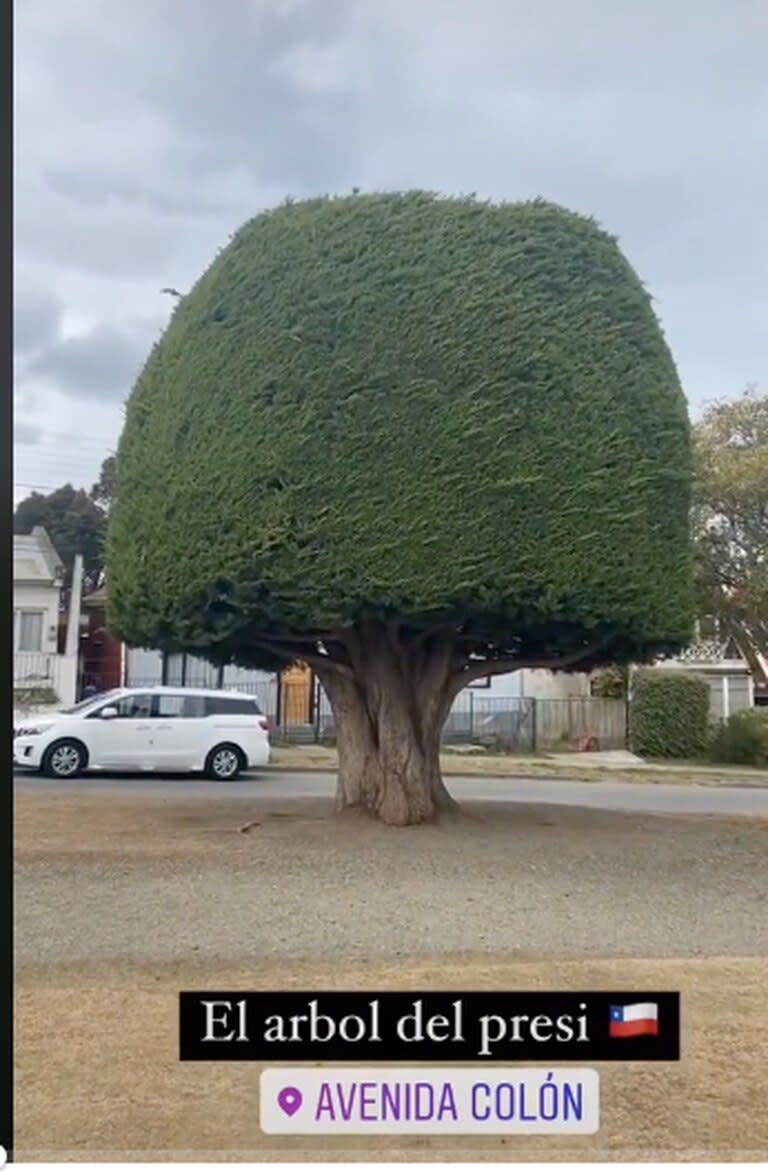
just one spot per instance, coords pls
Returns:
(410, 441)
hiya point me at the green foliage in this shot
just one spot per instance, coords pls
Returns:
(402, 405)
(731, 520)
(669, 714)
(743, 739)
(74, 523)
(103, 491)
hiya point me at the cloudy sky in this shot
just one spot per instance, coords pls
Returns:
(146, 132)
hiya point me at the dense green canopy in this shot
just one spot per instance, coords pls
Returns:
(404, 405)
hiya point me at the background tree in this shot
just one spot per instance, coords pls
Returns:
(411, 441)
(74, 523)
(103, 491)
(610, 683)
(731, 521)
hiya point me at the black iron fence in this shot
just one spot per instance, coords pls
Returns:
(301, 713)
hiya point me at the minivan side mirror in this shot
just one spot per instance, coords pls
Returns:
(108, 713)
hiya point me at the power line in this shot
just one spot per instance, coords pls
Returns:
(67, 443)
(40, 487)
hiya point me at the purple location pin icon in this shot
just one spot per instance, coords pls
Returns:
(289, 1100)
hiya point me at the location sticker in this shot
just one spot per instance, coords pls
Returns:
(289, 1100)
(430, 1100)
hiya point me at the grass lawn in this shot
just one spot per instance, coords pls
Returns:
(81, 1097)
(322, 757)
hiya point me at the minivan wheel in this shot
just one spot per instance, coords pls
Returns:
(64, 759)
(224, 763)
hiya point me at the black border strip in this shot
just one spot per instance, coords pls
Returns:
(6, 462)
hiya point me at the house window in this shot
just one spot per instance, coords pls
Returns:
(29, 630)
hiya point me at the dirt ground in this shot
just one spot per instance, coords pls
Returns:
(97, 1073)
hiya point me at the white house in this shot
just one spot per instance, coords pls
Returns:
(534, 684)
(38, 577)
(721, 664)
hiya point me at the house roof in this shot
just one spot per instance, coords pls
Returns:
(28, 548)
(712, 651)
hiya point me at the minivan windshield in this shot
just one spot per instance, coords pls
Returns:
(89, 703)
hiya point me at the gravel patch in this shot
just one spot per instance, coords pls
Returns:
(160, 880)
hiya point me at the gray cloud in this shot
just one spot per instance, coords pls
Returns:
(98, 187)
(70, 236)
(26, 433)
(147, 138)
(102, 364)
(36, 318)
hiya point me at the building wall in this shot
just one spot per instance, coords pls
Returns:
(729, 694)
(41, 598)
(535, 684)
(36, 590)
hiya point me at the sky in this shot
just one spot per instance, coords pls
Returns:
(146, 133)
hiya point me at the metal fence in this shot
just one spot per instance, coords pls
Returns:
(34, 669)
(302, 714)
(49, 677)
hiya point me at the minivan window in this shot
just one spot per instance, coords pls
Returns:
(194, 707)
(169, 706)
(89, 702)
(135, 707)
(175, 705)
(231, 706)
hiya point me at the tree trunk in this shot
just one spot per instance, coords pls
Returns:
(389, 716)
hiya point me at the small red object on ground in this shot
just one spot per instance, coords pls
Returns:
(587, 744)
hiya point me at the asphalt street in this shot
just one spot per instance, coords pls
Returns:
(647, 798)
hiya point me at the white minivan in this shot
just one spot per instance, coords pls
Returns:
(148, 729)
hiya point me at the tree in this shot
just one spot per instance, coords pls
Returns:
(410, 441)
(731, 521)
(74, 523)
(103, 491)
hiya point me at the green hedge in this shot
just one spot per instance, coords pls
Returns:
(669, 714)
(743, 739)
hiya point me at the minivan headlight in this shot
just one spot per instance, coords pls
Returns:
(33, 730)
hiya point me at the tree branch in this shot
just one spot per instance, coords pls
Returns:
(433, 629)
(312, 659)
(311, 637)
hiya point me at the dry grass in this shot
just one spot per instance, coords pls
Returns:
(98, 1076)
(322, 757)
